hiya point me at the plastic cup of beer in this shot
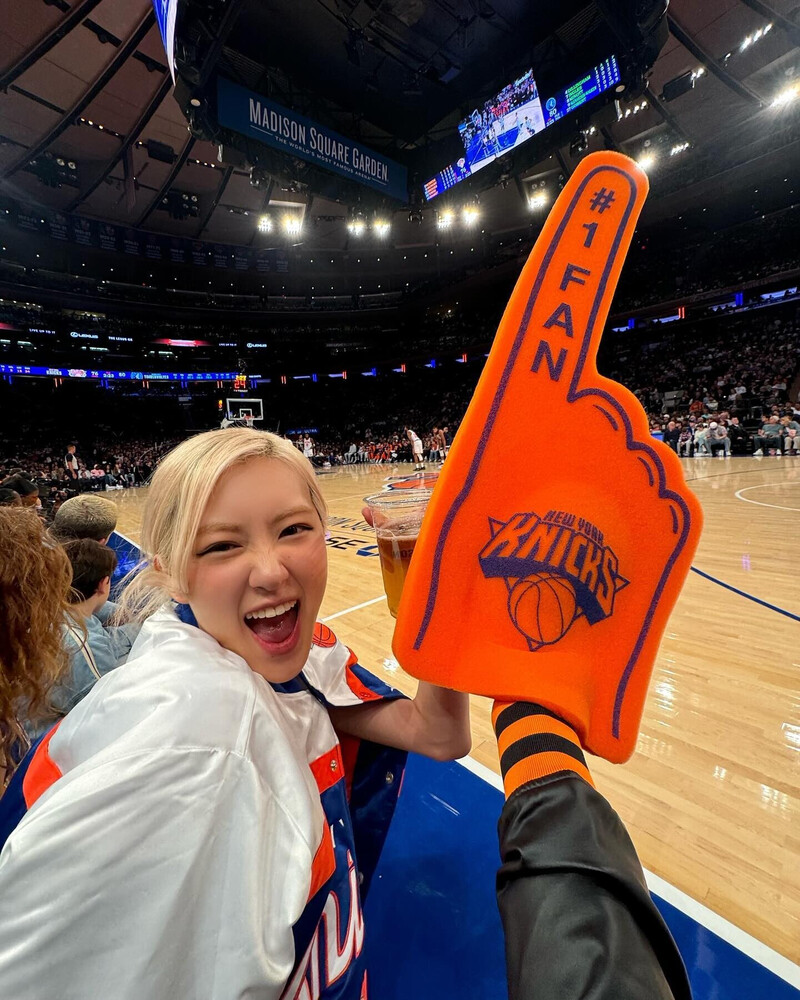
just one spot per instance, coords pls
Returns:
(397, 516)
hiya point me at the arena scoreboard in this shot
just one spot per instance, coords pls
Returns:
(574, 96)
(515, 115)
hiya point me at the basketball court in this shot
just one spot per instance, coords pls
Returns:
(711, 797)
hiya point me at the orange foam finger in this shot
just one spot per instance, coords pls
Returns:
(559, 533)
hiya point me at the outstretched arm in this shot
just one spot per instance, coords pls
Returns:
(578, 918)
(435, 723)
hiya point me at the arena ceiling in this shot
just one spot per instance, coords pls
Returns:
(85, 90)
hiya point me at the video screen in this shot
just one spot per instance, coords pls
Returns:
(513, 116)
(578, 93)
(506, 121)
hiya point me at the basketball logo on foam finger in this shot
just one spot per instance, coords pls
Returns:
(542, 608)
(556, 569)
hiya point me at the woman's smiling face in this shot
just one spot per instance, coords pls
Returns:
(258, 567)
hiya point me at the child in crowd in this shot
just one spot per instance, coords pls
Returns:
(9, 498)
(94, 648)
(87, 515)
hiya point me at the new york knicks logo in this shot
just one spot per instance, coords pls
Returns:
(423, 481)
(556, 568)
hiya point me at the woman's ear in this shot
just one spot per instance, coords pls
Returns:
(176, 595)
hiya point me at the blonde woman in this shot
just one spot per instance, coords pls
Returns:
(187, 832)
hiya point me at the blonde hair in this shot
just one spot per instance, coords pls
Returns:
(85, 516)
(179, 493)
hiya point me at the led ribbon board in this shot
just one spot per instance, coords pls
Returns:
(115, 375)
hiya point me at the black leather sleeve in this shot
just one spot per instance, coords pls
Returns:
(579, 921)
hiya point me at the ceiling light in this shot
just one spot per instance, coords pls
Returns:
(646, 162)
(786, 96)
(678, 148)
(292, 224)
(755, 37)
(470, 215)
(538, 200)
(265, 224)
(445, 219)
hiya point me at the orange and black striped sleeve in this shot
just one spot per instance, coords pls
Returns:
(534, 742)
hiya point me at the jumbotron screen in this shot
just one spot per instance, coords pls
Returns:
(513, 116)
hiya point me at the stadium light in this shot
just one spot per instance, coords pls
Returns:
(755, 37)
(470, 215)
(646, 162)
(292, 224)
(786, 96)
(678, 148)
(538, 200)
(356, 227)
(445, 219)
(381, 227)
(265, 224)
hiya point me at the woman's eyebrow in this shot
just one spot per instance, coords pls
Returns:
(207, 529)
(302, 510)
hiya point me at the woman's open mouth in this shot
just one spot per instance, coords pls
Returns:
(275, 629)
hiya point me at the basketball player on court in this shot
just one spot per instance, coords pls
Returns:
(440, 442)
(416, 448)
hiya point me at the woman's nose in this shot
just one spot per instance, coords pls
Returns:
(267, 571)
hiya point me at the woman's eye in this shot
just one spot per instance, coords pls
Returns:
(294, 529)
(217, 547)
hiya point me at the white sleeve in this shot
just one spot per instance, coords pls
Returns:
(160, 875)
(333, 669)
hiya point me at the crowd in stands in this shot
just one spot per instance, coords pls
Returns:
(673, 269)
(733, 371)
(62, 574)
(706, 265)
(48, 476)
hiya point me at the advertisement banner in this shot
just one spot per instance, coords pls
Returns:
(37, 370)
(255, 116)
